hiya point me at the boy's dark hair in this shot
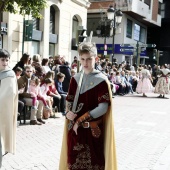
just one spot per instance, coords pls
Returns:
(4, 53)
(48, 80)
(18, 69)
(60, 75)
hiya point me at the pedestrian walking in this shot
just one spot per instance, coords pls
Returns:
(88, 141)
(8, 105)
(163, 84)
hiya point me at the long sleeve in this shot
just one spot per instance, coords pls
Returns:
(100, 110)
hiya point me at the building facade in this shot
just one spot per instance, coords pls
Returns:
(164, 44)
(51, 35)
(138, 16)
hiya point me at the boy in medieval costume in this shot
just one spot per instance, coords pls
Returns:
(88, 141)
(8, 104)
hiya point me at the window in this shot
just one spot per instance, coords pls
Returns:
(142, 34)
(148, 2)
(129, 29)
(36, 23)
(52, 20)
(51, 49)
(136, 32)
(75, 27)
(35, 47)
(92, 24)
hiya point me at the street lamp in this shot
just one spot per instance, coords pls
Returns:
(107, 25)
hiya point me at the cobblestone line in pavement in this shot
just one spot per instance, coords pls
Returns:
(142, 132)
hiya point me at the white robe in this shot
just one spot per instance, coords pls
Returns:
(8, 111)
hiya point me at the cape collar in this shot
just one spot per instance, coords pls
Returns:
(6, 73)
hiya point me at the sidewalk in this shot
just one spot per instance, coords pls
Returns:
(142, 130)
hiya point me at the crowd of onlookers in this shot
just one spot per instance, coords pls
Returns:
(124, 77)
(43, 83)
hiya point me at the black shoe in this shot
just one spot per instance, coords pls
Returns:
(41, 121)
(34, 122)
(164, 97)
(160, 96)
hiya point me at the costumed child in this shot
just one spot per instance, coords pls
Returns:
(8, 106)
(163, 84)
(35, 91)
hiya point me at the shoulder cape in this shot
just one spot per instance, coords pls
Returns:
(109, 140)
(6, 73)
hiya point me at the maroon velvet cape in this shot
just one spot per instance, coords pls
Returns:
(85, 151)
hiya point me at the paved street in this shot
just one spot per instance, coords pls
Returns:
(142, 127)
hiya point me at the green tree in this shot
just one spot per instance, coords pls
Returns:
(23, 7)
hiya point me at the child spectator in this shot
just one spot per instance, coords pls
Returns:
(18, 72)
(73, 72)
(35, 91)
(58, 83)
(112, 79)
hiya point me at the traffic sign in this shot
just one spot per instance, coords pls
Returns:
(127, 50)
(148, 45)
(128, 45)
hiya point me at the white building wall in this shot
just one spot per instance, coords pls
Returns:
(67, 9)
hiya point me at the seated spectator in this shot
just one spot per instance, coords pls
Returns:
(45, 65)
(134, 81)
(57, 64)
(121, 85)
(23, 83)
(73, 72)
(59, 87)
(51, 62)
(21, 104)
(23, 62)
(59, 83)
(37, 66)
(128, 66)
(35, 91)
(65, 69)
(112, 79)
(128, 82)
(58, 100)
(44, 89)
(18, 72)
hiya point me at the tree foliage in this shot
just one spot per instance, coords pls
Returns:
(23, 7)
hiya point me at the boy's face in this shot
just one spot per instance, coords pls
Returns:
(4, 62)
(61, 79)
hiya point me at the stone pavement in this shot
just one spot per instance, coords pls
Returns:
(142, 131)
